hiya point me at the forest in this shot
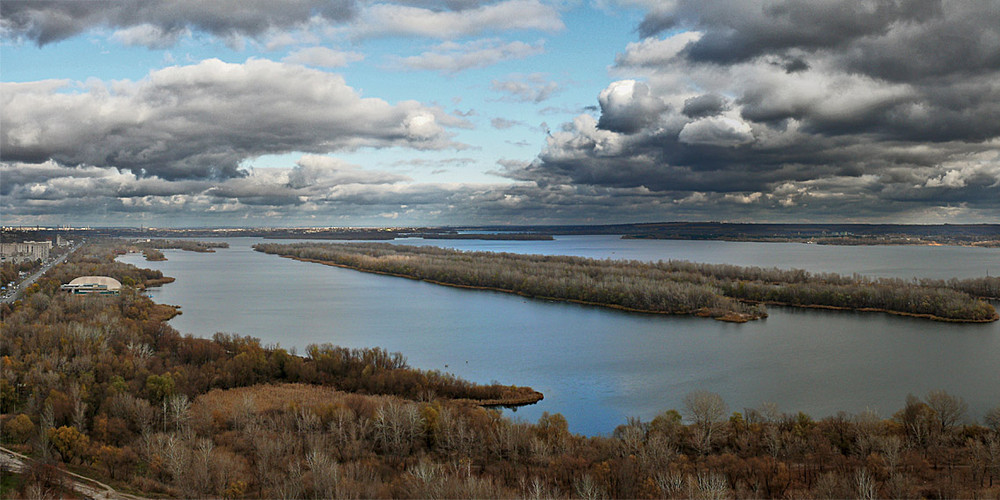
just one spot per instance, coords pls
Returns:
(103, 386)
(726, 292)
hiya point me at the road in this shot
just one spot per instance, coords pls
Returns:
(89, 488)
(19, 289)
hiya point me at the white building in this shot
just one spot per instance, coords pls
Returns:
(101, 285)
(28, 250)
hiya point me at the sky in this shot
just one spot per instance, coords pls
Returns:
(188, 113)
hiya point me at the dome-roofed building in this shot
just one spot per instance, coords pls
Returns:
(102, 285)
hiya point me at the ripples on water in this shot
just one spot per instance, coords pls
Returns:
(599, 366)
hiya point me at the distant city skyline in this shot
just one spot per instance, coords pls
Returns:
(464, 112)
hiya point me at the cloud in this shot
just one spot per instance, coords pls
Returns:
(385, 19)
(652, 52)
(202, 121)
(149, 35)
(503, 123)
(161, 23)
(49, 187)
(705, 105)
(451, 57)
(526, 88)
(158, 23)
(627, 107)
(795, 111)
(737, 31)
(716, 131)
(323, 57)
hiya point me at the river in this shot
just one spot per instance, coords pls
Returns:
(597, 366)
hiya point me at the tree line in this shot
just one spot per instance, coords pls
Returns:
(312, 441)
(675, 287)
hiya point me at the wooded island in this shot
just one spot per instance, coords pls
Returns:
(720, 291)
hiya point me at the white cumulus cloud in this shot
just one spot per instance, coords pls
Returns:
(716, 131)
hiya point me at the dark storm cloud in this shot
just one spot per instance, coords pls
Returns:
(874, 109)
(50, 21)
(704, 105)
(161, 23)
(795, 64)
(655, 23)
(314, 183)
(202, 121)
(739, 31)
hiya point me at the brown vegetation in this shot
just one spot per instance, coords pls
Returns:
(674, 287)
(152, 254)
(308, 441)
(618, 284)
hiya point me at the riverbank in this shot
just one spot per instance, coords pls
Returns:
(990, 319)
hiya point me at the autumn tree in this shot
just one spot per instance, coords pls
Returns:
(706, 411)
(949, 410)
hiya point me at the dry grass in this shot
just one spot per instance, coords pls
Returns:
(265, 398)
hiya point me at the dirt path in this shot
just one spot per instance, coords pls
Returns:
(90, 488)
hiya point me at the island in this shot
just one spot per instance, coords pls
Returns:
(724, 292)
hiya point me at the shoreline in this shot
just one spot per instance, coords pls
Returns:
(728, 317)
(996, 316)
(827, 241)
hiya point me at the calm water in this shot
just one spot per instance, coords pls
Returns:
(598, 366)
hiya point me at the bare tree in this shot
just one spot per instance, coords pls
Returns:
(201, 469)
(869, 427)
(669, 482)
(992, 419)
(325, 473)
(397, 424)
(79, 408)
(711, 486)
(48, 422)
(706, 410)
(950, 410)
(891, 448)
(178, 458)
(179, 408)
(918, 421)
(864, 485)
(587, 489)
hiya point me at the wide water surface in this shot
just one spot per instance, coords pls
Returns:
(599, 366)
